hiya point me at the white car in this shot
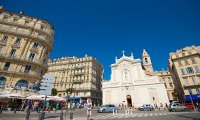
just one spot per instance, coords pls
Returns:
(177, 107)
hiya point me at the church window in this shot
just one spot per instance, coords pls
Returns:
(146, 60)
(153, 98)
(170, 84)
(165, 85)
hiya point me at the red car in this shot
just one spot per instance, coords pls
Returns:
(189, 105)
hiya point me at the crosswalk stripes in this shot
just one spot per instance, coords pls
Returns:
(123, 115)
(155, 114)
(134, 115)
(140, 115)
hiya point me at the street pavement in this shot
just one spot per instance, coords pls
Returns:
(121, 115)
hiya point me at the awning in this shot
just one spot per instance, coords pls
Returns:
(195, 97)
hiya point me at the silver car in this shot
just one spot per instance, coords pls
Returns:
(177, 107)
(147, 107)
(107, 108)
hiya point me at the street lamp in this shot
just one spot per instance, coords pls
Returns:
(41, 117)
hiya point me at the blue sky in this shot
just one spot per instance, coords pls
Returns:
(103, 28)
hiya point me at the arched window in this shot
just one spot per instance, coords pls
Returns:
(2, 81)
(21, 84)
(146, 60)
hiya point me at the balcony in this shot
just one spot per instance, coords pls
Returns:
(27, 26)
(35, 50)
(29, 35)
(16, 45)
(196, 85)
(25, 74)
(18, 57)
(79, 66)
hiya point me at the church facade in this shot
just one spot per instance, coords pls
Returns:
(133, 83)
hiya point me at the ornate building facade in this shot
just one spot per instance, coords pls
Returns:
(25, 46)
(184, 66)
(131, 83)
(165, 77)
(84, 75)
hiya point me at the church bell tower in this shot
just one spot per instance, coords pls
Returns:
(147, 61)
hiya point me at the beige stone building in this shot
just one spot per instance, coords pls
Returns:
(25, 46)
(84, 75)
(184, 66)
(165, 77)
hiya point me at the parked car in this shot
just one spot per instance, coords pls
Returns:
(147, 107)
(189, 105)
(177, 107)
(106, 108)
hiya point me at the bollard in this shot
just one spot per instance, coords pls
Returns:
(1, 110)
(116, 111)
(71, 116)
(38, 110)
(126, 112)
(61, 115)
(27, 114)
(15, 110)
(41, 116)
(113, 111)
(49, 110)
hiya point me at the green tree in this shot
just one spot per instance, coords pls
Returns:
(69, 91)
(54, 92)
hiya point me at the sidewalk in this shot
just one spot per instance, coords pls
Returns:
(32, 112)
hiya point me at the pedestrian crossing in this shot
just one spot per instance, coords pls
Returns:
(123, 115)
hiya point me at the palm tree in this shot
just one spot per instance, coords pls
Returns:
(54, 92)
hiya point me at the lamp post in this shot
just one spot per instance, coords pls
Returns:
(41, 116)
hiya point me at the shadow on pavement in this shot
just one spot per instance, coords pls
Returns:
(193, 118)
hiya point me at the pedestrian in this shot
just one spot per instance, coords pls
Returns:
(89, 108)
(161, 106)
(132, 108)
(28, 105)
(166, 106)
(57, 106)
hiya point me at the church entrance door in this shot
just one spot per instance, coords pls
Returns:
(129, 101)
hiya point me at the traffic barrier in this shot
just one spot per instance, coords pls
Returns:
(27, 114)
(1, 110)
(61, 115)
(15, 110)
(71, 116)
(41, 116)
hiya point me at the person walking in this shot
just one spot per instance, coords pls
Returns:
(27, 105)
(132, 108)
(89, 108)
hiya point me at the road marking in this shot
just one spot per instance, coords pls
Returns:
(160, 113)
(140, 115)
(156, 114)
(151, 114)
(134, 115)
(146, 114)
(121, 116)
(106, 116)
